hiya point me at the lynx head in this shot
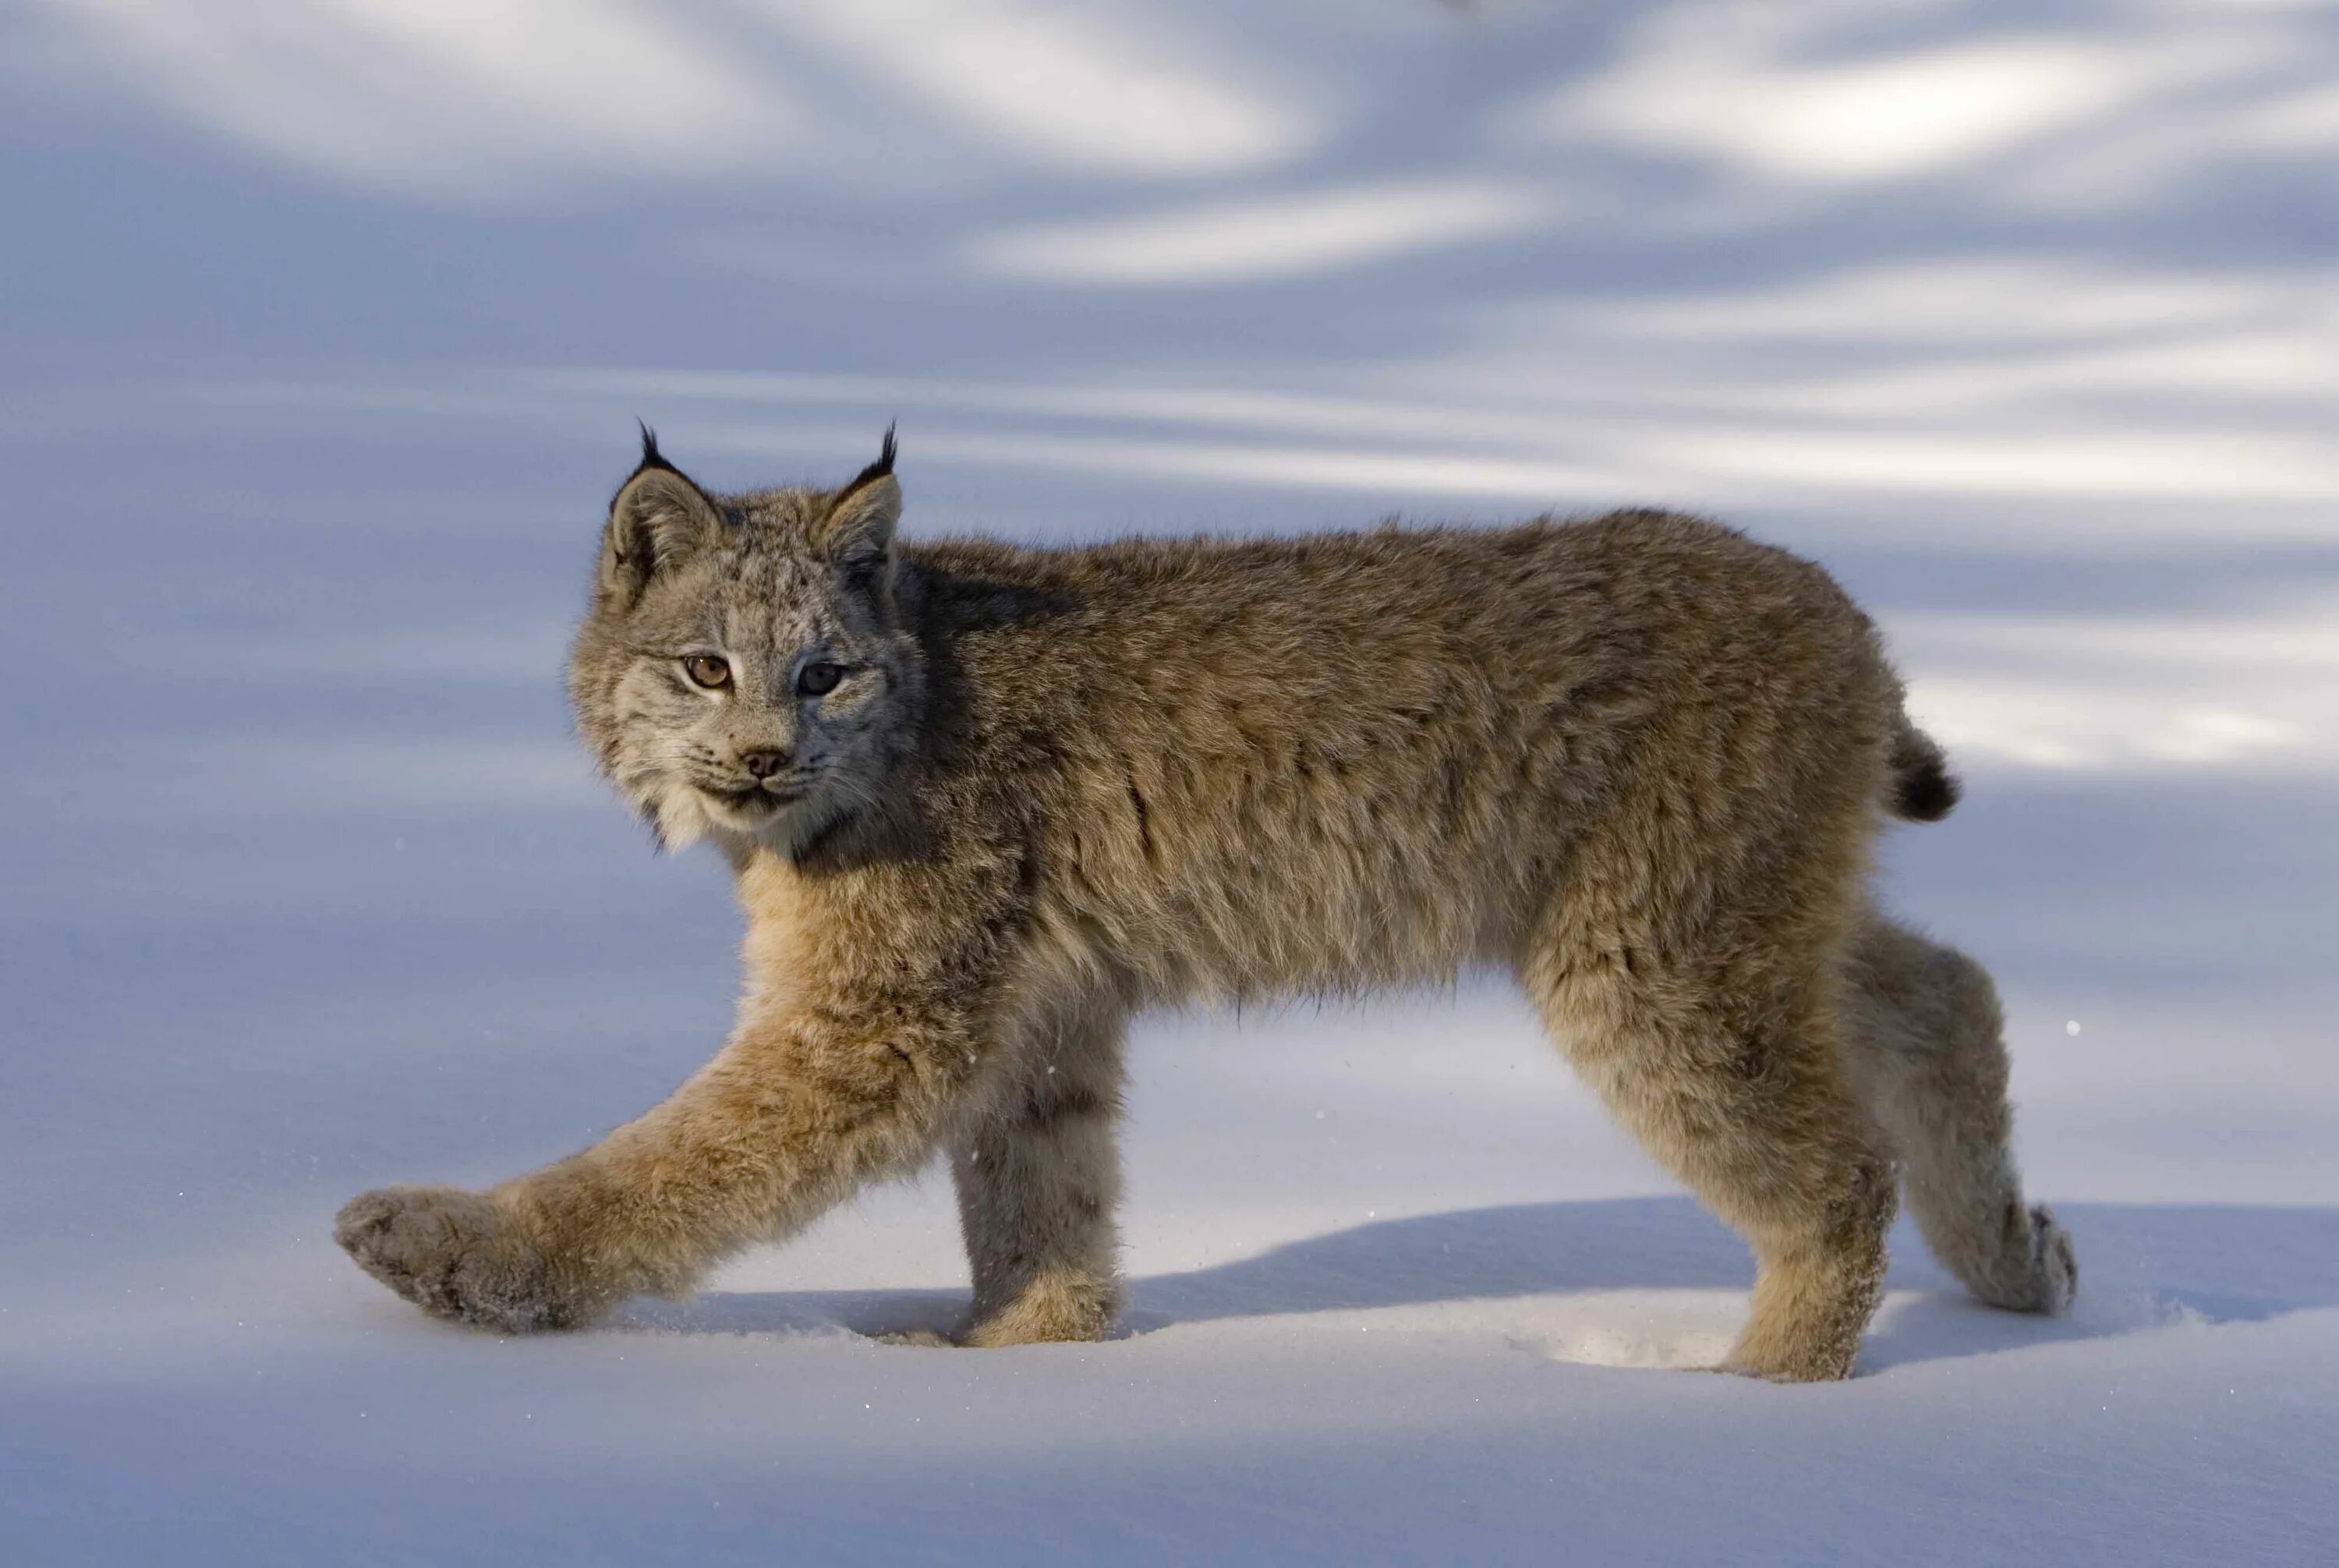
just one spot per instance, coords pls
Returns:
(743, 669)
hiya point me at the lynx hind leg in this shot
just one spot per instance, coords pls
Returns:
(1746, 1105)
(1926, 1052)
(1038, 1178)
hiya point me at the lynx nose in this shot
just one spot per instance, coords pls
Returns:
(764, 764)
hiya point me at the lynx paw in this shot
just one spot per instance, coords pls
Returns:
(1820, 1366)
(455, 1255)
(2054, 1264)
(2044, 1280)
(1054, 1309)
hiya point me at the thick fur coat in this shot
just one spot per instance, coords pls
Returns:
(984, 803)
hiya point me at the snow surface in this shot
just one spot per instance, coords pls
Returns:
(325, 327)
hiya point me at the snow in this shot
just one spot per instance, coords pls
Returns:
(327, 327)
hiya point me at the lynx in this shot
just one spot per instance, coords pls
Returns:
(984, 803)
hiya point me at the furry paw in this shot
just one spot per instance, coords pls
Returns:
(2054, 1266)
(1066, 1308)
(454, 1254)
(2042, 1278)
(1816, 1367)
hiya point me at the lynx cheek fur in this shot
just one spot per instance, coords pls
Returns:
(984, 802)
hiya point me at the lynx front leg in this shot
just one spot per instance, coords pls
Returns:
(458, 1255)
(805, 1104)
(1037, 1181)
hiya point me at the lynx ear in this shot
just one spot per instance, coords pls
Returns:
(656, 518)
(857, 535)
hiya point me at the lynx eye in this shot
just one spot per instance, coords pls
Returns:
(706, 670)
(819, 678)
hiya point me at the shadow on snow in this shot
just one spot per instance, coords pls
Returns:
(2142, 1266)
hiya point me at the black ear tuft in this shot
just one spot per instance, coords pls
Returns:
(857, 534)
(651, 457)
(658, 516)
(876, 471)
(653, 462)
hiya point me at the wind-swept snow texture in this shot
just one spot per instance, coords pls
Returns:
(325, 328)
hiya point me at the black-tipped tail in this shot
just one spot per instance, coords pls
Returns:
(1923, 788)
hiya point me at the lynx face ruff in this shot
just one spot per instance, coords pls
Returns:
(984, 803)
